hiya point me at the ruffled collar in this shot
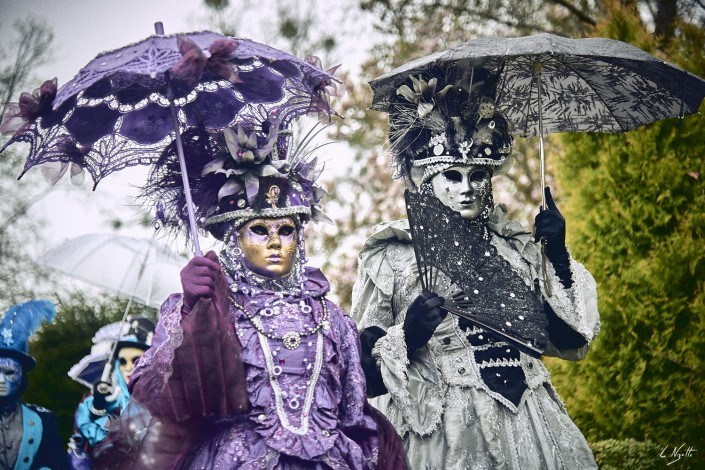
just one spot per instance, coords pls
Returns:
(314, 284)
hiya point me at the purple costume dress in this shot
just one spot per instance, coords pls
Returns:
(305, 386)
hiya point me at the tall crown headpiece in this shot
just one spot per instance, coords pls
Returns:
(447, 117)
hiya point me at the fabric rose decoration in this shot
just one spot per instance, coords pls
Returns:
(195, 60)
(18, 116)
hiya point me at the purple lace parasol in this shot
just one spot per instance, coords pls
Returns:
(116, 111)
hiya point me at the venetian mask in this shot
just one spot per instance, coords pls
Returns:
(269, 246)
(127, 361)
(467, 189)
(10, 376)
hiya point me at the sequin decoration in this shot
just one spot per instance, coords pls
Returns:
(462, 251)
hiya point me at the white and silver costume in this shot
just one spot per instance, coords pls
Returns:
(447, 415)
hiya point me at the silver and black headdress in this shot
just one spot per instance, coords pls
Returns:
(447, 117)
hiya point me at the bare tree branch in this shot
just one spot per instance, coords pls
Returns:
(32, 50)
(582, 16)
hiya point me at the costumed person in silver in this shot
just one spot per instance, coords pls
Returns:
(29, 437)
(251, 367)
(117, 347)
(469, 391)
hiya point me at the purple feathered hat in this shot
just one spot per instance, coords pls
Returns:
(246, 172)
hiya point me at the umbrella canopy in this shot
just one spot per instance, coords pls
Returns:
(136, 268)
(127, 105)
(116, 111)
(587, 85)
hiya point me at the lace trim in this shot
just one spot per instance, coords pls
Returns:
(569, 304)
(500, 363)
(161, 357)
(392, 350)
(479, 383)
(247, 214)
(549, 430)
(509, 427)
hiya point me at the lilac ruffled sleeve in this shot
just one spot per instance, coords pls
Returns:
(156, 362)
(194, 368)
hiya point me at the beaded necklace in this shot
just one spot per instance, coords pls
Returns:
(290, 339)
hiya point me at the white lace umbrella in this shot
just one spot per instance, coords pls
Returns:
(139, 269)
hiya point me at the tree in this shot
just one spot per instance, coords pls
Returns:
(638, 224)
(402, 18)
(65, 342)
(19, 276)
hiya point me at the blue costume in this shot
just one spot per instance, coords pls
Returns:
(97, 410)
(94, 427)
(29, 438)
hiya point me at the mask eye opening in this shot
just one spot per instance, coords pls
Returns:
(286, 230)
(259, 229)
(478, 176)
(453, 175)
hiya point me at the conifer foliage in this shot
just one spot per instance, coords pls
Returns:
(636, 220)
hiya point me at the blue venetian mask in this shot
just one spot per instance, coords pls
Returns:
(10, 376)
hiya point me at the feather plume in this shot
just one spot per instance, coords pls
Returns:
(21, 321)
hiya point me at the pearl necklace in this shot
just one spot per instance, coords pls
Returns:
(290, 339)
(278, 397)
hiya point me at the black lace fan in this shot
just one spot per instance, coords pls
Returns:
(489, 294)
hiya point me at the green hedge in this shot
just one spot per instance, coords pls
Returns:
(635, 210)
(613, 454)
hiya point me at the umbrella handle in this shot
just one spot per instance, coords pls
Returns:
(544, 267)
(159, 29)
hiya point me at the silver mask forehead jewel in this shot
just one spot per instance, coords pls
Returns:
(444, 118)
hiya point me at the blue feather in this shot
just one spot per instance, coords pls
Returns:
(21, 321)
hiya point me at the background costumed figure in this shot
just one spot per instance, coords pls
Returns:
(29, 438)
(461, 395)
(130, 339)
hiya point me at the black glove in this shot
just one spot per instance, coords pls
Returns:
(422, 318)
(100, 401)
(550, 225)
(368, 338)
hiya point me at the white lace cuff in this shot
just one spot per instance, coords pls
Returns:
(415, 387)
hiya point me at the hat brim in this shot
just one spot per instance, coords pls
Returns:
(130, 344)
(26, 361)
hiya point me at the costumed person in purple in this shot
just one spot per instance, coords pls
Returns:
(121, 344)
(29, 438)
(468, 390)
(252, 367)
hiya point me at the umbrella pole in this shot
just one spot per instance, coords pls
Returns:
(544, 267)
(159, 29)
(104, 384)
